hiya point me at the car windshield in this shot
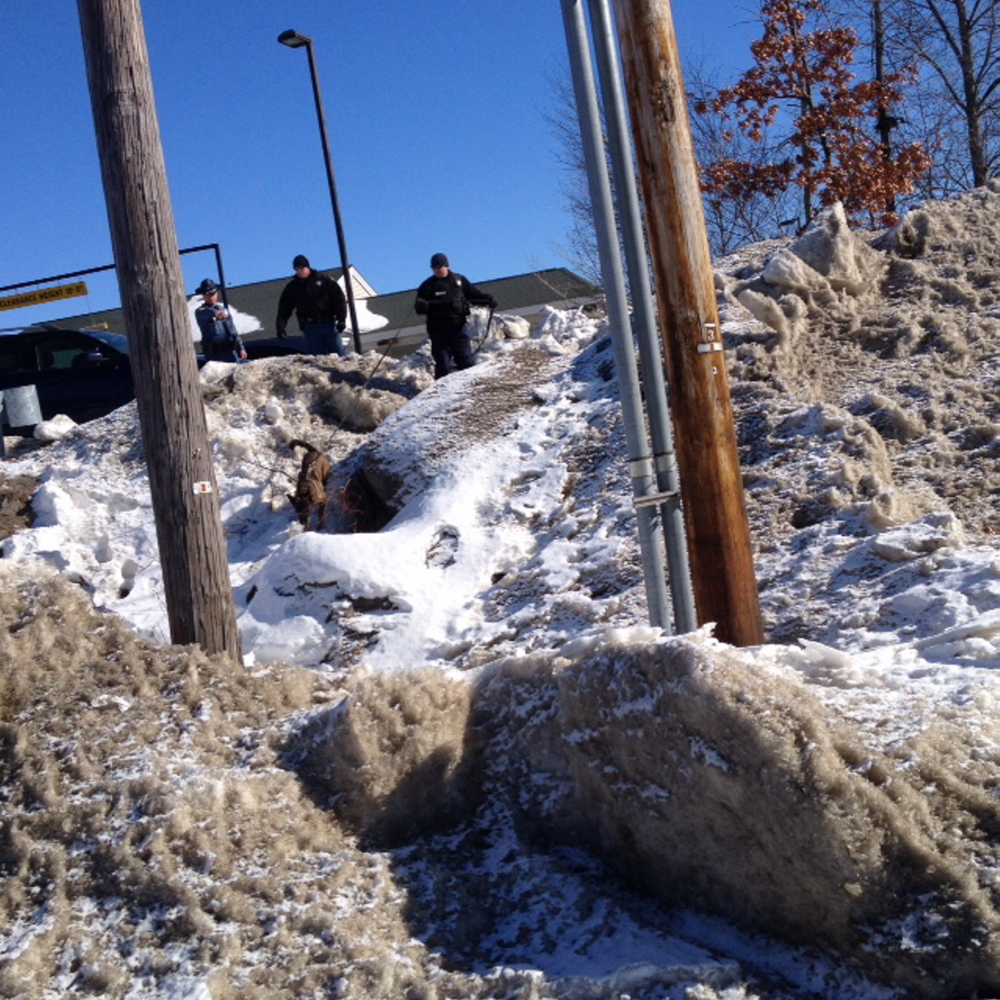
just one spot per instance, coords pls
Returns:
(116, 340)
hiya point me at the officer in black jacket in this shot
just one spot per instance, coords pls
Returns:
(318, 304)
(445, 300)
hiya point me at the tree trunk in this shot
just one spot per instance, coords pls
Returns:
(970, 91)
(886, 122)
(711, 483)
(171, 414)
(806, 104)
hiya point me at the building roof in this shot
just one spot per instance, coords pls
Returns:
(520, 294)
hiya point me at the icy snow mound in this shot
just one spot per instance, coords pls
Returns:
(506, 526)
(713, 778)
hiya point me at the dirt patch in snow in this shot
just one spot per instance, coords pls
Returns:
(15, 503)
(465, 409)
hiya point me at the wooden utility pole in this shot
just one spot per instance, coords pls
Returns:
(722, 572)
(171, 414)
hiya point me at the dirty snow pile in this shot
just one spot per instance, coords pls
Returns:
(455, 762)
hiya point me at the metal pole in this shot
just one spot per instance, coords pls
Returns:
(107, 267)
(721, 550)
(341, 241)
(644, 316)
(222, 277)
(640, 461)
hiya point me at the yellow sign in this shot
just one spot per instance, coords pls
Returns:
(43, 295)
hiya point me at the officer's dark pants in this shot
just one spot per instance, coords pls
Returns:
(219, 350)
(451, 350)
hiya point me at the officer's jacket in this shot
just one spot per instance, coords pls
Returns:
(445, 301)
(315, 299)
(215, 330)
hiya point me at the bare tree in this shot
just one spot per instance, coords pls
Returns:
(580, 251)
(958, 44)
(733, 221)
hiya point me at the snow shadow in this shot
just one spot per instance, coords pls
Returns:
(704, 778)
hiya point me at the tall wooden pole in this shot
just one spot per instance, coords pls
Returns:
(171, 414)
(722, 572)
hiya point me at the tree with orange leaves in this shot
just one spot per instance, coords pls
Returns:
(833, 150)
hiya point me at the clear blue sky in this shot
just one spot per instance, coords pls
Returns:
(435, 115)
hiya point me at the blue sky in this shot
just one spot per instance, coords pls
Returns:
(436, 124)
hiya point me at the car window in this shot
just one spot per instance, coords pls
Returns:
(16, 355)
(60, 352)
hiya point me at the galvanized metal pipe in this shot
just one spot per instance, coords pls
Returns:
(643, 313)
(641, 468)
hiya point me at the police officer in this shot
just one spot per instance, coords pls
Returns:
(318, 304)
(219, 339)
(445, 300)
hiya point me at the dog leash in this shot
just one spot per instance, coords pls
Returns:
(388, 346)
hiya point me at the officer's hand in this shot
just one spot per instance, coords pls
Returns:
(341, 327)
(492, 302)
(282, 333)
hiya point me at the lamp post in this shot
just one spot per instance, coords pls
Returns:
(294, 40)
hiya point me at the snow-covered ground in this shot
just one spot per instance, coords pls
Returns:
(456, 762)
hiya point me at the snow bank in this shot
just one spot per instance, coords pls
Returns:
(829, 270)
(471, 694)
(157, 841)
(673, 757)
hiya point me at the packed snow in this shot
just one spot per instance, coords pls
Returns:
(456, 761)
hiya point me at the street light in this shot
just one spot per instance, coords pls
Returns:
(296, 41)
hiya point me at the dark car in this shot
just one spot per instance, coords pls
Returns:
(83, 375)
(274, 347)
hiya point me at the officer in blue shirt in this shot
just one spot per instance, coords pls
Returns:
(219, 339)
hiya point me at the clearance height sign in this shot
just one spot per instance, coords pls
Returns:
(43, 295)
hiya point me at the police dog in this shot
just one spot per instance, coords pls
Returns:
(310, 488)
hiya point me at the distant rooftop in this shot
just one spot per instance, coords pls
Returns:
(521, 294)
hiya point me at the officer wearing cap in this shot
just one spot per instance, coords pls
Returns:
(319, 306)
(445, 299)
(219, 339)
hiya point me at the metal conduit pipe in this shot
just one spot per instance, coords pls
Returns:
(641, 470)
(644, 315)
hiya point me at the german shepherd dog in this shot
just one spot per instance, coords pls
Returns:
(310, 489)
